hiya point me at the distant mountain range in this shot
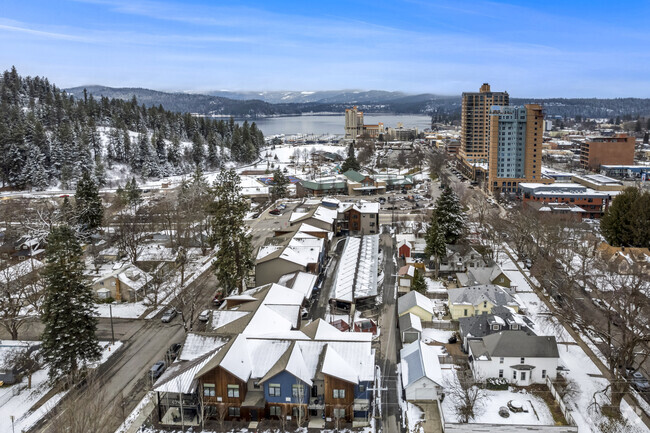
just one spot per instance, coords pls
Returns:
(276, 103)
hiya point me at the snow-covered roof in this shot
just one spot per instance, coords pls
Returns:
(197, 345)
(335, 365)
(413, 299)
(475, 295)
(302, 282)
(418, 361)
(223, 317)
(19, 270)
(357, 272)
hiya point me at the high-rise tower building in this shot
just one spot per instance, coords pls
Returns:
(515, 147)
(475, 123)
(353, 123)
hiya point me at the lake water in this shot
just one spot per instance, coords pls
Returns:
(334, 124)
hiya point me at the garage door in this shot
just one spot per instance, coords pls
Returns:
(424, 394)
(410, 337)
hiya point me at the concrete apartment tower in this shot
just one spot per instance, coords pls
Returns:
(475, 123)
(515, 147)
(353, 123)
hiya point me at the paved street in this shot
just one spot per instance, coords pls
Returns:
(124, 377)
(389, 343)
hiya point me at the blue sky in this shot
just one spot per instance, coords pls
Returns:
(529, 48)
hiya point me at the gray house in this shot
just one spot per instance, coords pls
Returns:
(410, 328)
(501, 319)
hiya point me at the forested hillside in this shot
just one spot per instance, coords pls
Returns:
(48, 137)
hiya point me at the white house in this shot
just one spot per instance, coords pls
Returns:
(421, 373)
(520, 358)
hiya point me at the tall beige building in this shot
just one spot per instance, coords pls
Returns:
(475, 123)
(353, 123)
(354, 126)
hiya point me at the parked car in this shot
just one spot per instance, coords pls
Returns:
(173, 351)
(639, 382)
(157, 369)
(205, 316)
(304, 315)
(275, 212)
(217, 301)
(169, 315)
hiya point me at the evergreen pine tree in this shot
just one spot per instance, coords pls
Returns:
(88, 205)
(198, 149)
(449, 215)
(436, 246)
(235, 256)
(174, 153)
(350, 162)
(280, 183)
(418, 284)
(133, 193)
(69, 338)
(626, 223)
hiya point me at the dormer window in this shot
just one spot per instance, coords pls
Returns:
(495, 327)
(515, 326)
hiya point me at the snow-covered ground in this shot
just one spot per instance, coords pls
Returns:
(581, 368)
(488, 412)
(439, 335)
(435, 286)
(17, 400)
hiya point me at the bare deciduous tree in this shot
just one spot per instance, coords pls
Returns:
(467, 395)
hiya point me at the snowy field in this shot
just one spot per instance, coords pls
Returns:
(17, 400)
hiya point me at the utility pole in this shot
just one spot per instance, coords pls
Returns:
(110, 310)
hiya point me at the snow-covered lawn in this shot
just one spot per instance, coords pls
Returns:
(439, 335)
(17, 401)
(435, 286)
(538, 412)
(126, 310)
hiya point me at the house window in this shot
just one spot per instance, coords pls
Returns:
(514, 375)
(339, 393)
(297, 391)
(523, 375)
(543, 374)
(233, 411)
(514, 326)
(495, 327)
(501, 360)
(208, 390)
(522, 360)
(362, 388)
(465, 314)
(275, 411)
(500, 373)
(339, 412)
(233, 391)
(298, 411)
(274, 389)
(484, 304)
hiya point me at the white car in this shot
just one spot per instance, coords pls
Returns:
(205, 316)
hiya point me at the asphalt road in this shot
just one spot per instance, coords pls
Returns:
(389, 342)
(124, 378)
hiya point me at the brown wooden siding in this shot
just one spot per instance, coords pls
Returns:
(221, 378)
(332, 383)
